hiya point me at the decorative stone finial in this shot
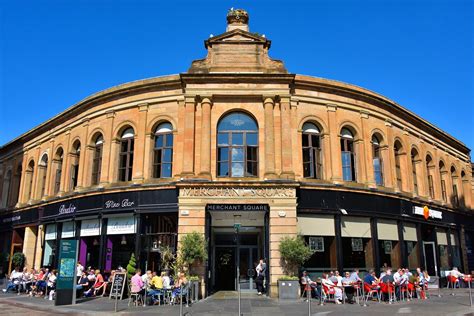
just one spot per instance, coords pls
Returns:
(237, 19)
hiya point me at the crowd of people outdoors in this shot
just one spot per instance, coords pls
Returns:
(90, 282)
(391, 285)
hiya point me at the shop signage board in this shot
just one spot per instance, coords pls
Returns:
(118, 286)
(427, 213)
(121, 225)
(90, 227)
(238, 207)
(66, 281)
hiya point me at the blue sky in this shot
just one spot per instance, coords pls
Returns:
(417, 53)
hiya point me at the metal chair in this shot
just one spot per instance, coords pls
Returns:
(134, 297)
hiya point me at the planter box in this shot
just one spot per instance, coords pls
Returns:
(288, 290)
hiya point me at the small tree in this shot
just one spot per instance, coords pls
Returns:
(167, 257)
(193, 248)
(18, 260)
(294, 252)
(131, 266)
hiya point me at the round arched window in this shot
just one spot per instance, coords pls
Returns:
(163, 151)
(311, 141)
(237, 146)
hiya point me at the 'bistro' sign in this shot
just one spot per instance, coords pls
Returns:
(63, 209)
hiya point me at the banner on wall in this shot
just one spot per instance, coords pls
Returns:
(121, 225)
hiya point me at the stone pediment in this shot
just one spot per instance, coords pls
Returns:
(238, 35)
(237, 51)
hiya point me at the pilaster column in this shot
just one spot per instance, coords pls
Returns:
(107, 162)
(48, 187)
(66, 174)
(389, 158)
(296, 139)
(82, 158)
(286, 141)
(366, 167)
(333, 145)
(268, 104)
(423, 171)
(35, 185)
(407, 174)
(21, 190)
(206, 105)
(188, 161)
(139, 147)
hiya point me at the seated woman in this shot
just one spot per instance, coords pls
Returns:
(181, 282)
(329, 285)
(98, 284)
(82, 284)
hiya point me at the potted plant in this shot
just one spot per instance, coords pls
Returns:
(18, 260)
(131, 266)
(192, 252)
(167, 258)
(294, 252)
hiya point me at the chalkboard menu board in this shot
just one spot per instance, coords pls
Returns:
(118, 285)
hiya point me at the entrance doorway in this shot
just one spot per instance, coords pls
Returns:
(429, 254)
(232, 251)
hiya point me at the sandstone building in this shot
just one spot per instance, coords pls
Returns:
(239, 139)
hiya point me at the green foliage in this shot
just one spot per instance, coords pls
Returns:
(131, 266)
(288, 278)
(193, 248)
(18, 260)
(294, 252)
(193, 278)
(167, 257)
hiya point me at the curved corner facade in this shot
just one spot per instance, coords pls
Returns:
(239, 140)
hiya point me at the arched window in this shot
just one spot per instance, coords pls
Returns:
(42, 173)
(6, 188)
(398, 169)
(442, 176)
(429, 172)
(163, 157)
(97, 159)
(237, 146)
(414, 161)
(348, 155)
(59, 170)
(454, 180)
(76, 147)
(311, 142)
(126, 155)
(16, 186)
(377, 160)
(30, 175)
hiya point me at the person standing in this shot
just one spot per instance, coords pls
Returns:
(261, 270)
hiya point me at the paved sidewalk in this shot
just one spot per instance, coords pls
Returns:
(223, 305)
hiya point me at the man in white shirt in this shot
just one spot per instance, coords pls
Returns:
(79, 270)
(15, 278)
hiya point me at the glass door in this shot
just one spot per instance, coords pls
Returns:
(248, 261)
(430, 257)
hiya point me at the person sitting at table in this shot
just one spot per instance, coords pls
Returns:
(166, 280)
(181, 282)
(306, 281)
(371, 280)
(99, 282)
(156, 287)
(14, 280)
(330, 285)
(355, 276)
(82, 284)
(137, 283)
(337, 276)
(349, 289)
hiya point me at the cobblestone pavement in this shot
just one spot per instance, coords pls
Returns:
(223, 305)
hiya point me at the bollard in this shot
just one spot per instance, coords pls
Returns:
(308, 295)
(238, 287)
(470, 290)
(321, 295)
(181, 300)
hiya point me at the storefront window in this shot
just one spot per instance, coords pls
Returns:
(49, 245)
(389, 248)
(89, 243)
(357, 246)
(455, 251)
(443, 249)
(120, 241)
(411, 245)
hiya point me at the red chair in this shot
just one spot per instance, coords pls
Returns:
(404, 292)
(411, 289)
(452, 281)
(388, 289)
(370, 290)
(327, 292)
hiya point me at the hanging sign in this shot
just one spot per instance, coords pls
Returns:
(90, 227)
(121, 225)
